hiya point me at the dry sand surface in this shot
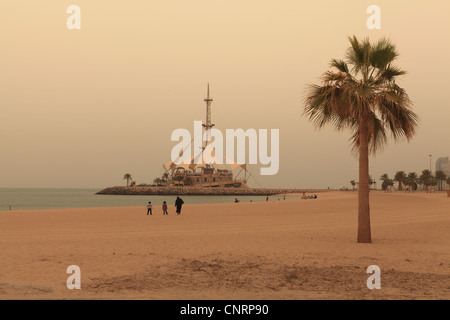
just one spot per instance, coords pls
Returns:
(292, 249)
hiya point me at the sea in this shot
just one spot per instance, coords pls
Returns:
(60, 198)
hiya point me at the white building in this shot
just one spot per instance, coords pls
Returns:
(444, 165)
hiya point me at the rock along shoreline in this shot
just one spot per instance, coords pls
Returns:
(195, 191)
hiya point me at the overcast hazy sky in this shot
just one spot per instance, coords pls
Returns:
(80, 108)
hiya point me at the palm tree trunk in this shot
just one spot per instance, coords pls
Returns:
(364, 234)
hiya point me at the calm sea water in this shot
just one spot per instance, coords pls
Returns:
(33, 199)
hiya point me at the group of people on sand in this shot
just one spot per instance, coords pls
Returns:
(313, 196)
(178, 204)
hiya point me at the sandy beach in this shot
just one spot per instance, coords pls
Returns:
(292, 249)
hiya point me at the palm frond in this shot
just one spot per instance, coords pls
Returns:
(341, 65)
(389, 74)
(382, 54)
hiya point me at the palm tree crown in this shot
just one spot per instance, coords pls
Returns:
(364, 88)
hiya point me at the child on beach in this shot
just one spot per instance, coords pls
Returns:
(149, 208)
(164, 207)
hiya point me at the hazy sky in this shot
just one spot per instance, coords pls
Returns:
(80, 108)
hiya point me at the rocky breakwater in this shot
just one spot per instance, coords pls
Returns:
(193, 191)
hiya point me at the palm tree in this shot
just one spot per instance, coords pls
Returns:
(390, 183)
(128, 178)
(353, 183)
(362, 96)
(165, 177)
(426, 179)
(157, 181)
(387, 182)
(448, 181)
(411, 180)
(441, 177)
(400, 177)
(371, 182)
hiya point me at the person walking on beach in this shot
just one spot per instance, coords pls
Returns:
(178, 203)
(164, 207)
(149, 208)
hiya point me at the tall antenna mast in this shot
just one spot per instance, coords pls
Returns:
(208, 124)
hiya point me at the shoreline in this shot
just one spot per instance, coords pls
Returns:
(35, 199)
(196, 191)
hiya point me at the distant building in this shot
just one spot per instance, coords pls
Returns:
(200, 172)
(444, 165)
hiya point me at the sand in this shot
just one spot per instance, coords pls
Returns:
(292, 249)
